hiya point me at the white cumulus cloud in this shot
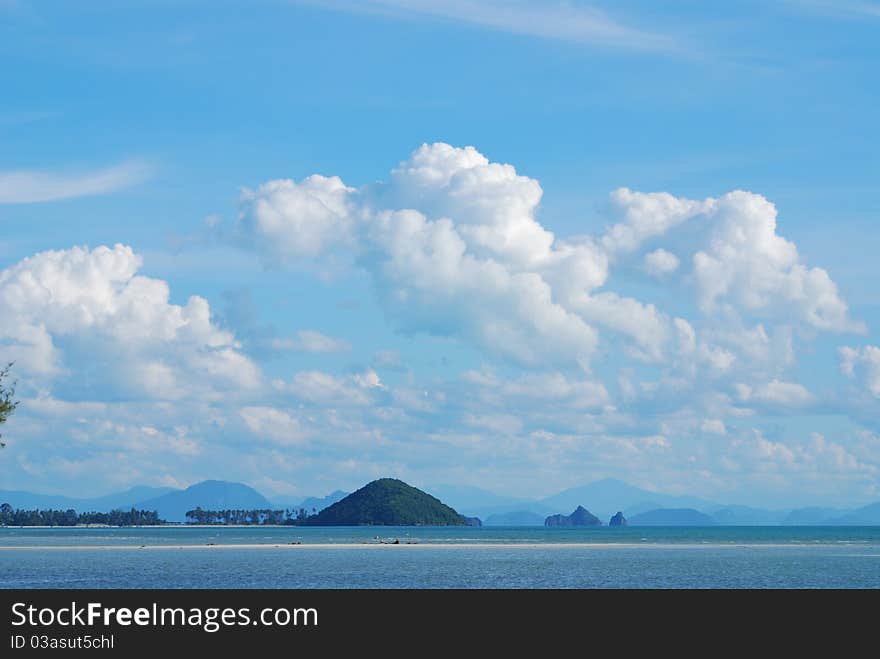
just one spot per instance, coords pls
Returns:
(775, 392)
(454, 247)
(737, 258)
(864, 362)
(87, 318)
(295, 220)
(660, 262)
(275, 424)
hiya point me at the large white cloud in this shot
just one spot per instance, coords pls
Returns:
(491, 205)
(737, 258)
(749, 264)
(295, 220)
(86, 318)
(430, 281)
(454, 247)
(644, 216)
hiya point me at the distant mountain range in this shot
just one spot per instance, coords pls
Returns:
(603, 498)
(171, 504)
(607, 496)
(514, 518)
(118, 500)
(865, 516)
(472, 500)
(317, 504)
(208, 495)
(672, 517)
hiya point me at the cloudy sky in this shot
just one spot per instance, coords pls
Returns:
(516, 245)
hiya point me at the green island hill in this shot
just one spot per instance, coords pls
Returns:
(389, 502)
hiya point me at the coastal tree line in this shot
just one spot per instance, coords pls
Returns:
(69, 517)
(247, 517)
(10, 516)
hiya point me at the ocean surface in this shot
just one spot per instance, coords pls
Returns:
(434, 557)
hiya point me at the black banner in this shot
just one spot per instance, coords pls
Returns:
(387, 622)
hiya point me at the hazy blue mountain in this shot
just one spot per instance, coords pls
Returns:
(605, 497)
(865, 516)
(747, 516)
(610, 495)
(30, 500)
(315, 503)
(209, 495)
(672, 517)
(870, 513)
(515, 518)
(534, 507)
(123, 500)
(469, 500)
(129, 498)
(811, 516)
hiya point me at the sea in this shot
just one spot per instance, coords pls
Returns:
(441, 557)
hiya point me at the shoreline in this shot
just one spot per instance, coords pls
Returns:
(158, 526)
(429, 545)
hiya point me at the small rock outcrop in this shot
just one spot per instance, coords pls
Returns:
(617, 520)
(557, 520)
(472, 521)
(580, 517)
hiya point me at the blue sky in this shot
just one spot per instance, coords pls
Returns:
(524, 264)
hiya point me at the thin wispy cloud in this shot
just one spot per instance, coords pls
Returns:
(32, 186)
(21, 118)
(544, 20)
(852, 9)
(11, 5)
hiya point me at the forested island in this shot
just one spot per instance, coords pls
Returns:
(18, 517)
(389, 502)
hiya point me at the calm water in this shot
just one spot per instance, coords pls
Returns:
(489, 557)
